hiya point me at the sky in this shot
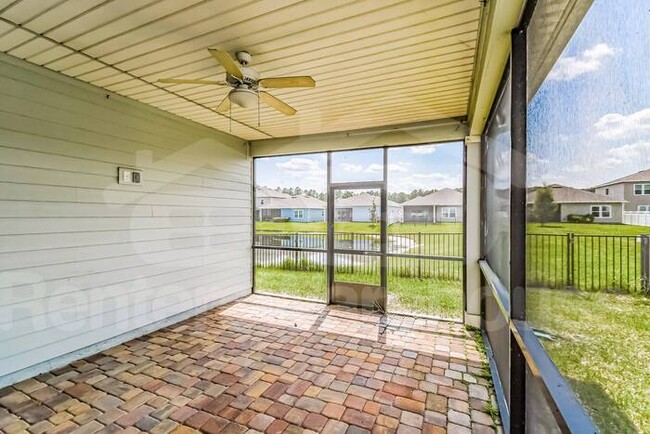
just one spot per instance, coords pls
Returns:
(590, 120)
(411, 167)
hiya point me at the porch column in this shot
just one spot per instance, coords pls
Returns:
(472, 224)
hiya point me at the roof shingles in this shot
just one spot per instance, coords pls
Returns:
(574, 195)
(640, 176)
(444, 197)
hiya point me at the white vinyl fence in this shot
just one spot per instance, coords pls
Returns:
(636, 218)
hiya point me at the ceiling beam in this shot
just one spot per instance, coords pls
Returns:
(498, 18)
(444, 130)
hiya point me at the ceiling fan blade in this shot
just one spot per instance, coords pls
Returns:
(184, 81)
(224, 105)
(277, 104)
(227, 62)
(279, 82)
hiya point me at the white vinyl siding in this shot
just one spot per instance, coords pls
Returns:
(601, 211)
(83, 259)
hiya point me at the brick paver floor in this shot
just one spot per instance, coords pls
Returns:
(265, 364)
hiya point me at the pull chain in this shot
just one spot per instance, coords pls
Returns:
(230, 117)
(258, 109)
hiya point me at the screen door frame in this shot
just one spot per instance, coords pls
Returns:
(357, 294)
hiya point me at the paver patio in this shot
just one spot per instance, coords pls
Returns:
(266, 364)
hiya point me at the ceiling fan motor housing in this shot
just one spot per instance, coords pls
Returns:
(251, 77)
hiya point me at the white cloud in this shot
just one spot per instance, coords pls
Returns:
(354, 168)
(536, 159)
(618, 126)
(424, 181)
(299, 165)
(578, 168)
(570, 67)
(373, 168)
(393, 167)
(399, 167)
(304, 172)
(639, 151)
(423, 150)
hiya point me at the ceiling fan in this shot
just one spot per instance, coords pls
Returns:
(246, 83)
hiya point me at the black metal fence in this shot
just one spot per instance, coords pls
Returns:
(589, 262)
(415, 255)
(586, 262)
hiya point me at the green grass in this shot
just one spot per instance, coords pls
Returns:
(601, 340)
(538, 228)
(605, 256)
(304, 284)
(587, 229)
(601, 344)
(611, 264)
(435, 297)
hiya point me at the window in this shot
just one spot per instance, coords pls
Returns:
(601, 211)
(496, 234)
(643, 208)
(298, 214)
(261, 201)
(607, 192)
(449, 213)
(641, 189)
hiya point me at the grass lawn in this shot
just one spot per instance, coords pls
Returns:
(587, 229)
(601, 345)
(599, 263)
(441, 298)
(604, 256)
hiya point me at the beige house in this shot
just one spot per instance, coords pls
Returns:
(576, 201)
(444, 205)
(264, 199)
(633, 189)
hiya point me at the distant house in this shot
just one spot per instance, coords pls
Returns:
(633, 189)
(264, 197)
(576, 201)
(271, 204)
(358, 208)
(445, 205)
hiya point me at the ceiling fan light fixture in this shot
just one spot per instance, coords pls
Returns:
(246, 98)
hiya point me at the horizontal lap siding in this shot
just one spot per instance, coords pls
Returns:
(84, 260)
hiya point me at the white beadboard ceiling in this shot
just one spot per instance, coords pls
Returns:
(376, 62)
